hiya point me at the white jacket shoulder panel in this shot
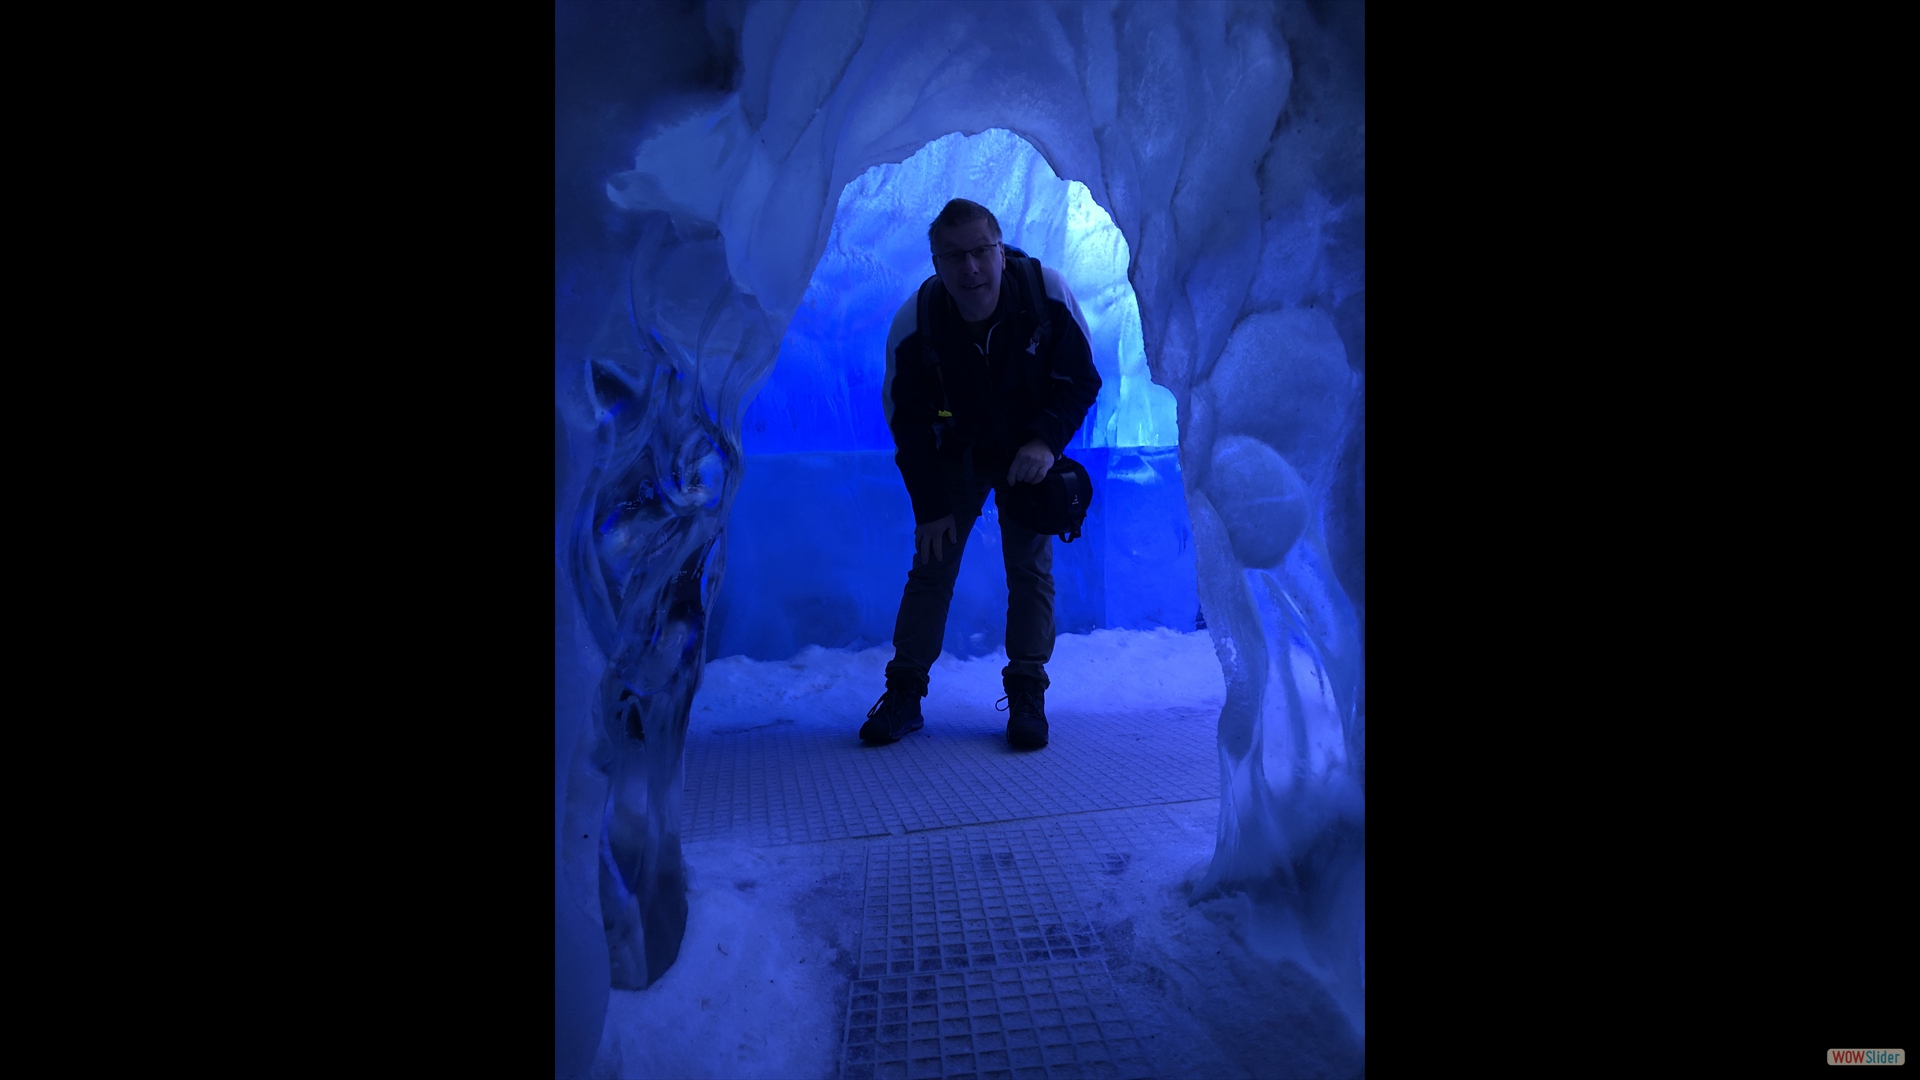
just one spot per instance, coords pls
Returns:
(903, 324)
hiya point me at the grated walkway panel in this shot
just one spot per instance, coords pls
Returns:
(976, 959)
(975, 956)
(782, 784)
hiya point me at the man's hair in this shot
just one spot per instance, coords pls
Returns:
(959, 212)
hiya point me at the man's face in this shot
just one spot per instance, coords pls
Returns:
(969, 259)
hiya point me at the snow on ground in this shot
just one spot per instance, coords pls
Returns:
(760, 988)
(1203, 1002)
(755, 992)
(1107, 670)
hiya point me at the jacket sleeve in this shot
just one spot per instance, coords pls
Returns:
(907, 402)
(1072, 384)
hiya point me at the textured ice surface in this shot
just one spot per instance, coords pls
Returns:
(825, 390)
(820, 535)
(819, 544)
(1227, 144)
(645, 552)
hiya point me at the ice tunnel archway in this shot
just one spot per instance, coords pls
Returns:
(819, 487)
(1227, 141)
(824, 391)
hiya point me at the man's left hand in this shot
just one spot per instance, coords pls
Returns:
(1031, 464)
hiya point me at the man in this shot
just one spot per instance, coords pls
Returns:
(1012, 381)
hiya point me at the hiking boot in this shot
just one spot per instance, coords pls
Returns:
(1026, 711)
(895, 715)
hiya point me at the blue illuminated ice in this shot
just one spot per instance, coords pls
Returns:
(1227, 144)
(824, 392)
(815, 555)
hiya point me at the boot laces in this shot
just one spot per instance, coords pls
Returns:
(1014, 698)
(898, 697)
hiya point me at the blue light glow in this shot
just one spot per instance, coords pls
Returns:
(824, 393)
(820, 535)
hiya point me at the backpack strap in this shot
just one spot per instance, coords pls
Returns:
(1037, 304)
(943, 421)
(1029, 268)
(1036, 291)
(1036, 287)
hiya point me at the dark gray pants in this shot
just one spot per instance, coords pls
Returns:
(922, 622)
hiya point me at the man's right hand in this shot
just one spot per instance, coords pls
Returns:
(929, 536)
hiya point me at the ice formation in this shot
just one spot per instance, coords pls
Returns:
(1227, 144)
(823, 393)
(819, 487)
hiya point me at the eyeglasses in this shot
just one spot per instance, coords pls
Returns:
(959, 258)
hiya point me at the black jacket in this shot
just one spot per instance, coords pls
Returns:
(1001, 396)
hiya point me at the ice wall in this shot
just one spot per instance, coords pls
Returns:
(818, 537)
(1227, 144)
(819, 545)
(824, 393)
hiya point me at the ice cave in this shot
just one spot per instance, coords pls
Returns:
(1176, 886)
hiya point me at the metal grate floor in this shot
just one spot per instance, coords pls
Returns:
(1024, 1021)
(949, 902)
(975, 954)
(783, 784)
(977, 960)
